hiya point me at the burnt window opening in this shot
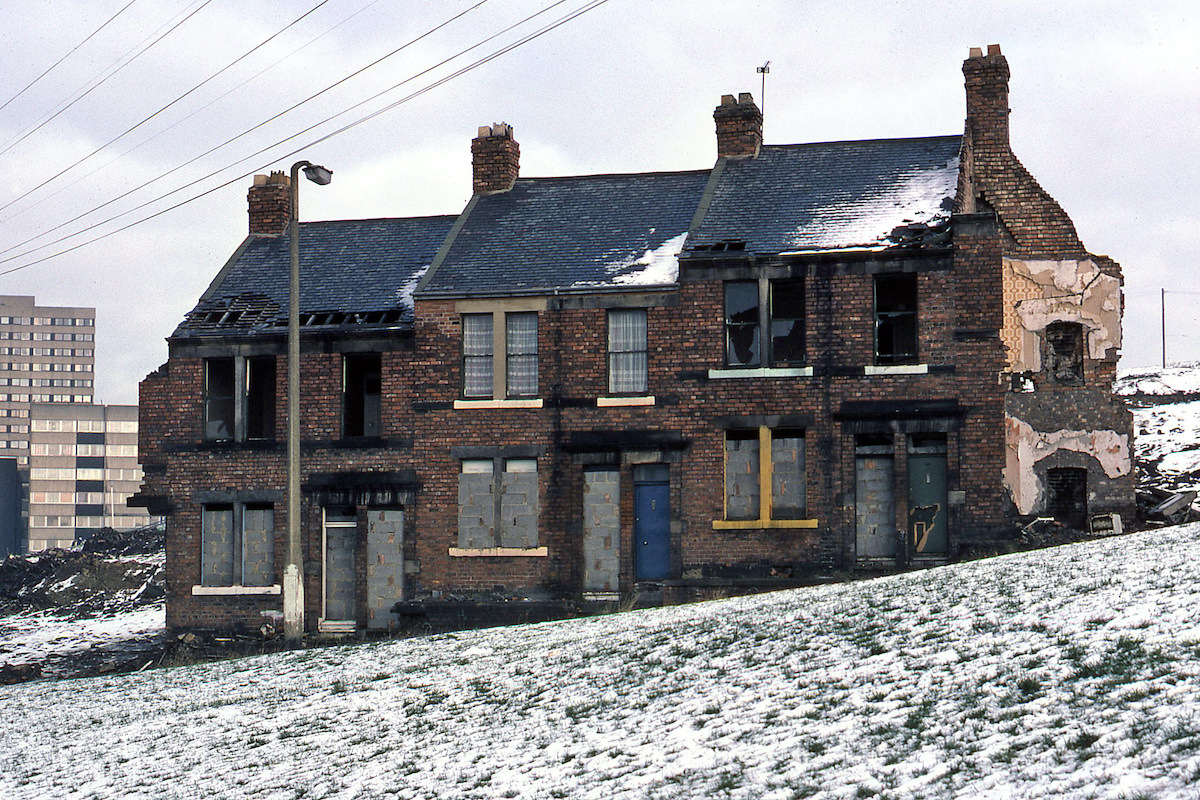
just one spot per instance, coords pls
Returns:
(260, 398)
(774, 306)
(219, 399)
(1066, 496)
(896, 319)
(361, 393)
(1064, 352)
(239, 399)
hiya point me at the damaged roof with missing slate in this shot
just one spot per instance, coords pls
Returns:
(352, 273)
(871, 194)
(572, 233)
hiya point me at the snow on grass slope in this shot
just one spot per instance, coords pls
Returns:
(1064, 673)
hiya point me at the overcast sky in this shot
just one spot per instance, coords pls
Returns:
(1105, 101)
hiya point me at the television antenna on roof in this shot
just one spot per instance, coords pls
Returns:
(763, 70)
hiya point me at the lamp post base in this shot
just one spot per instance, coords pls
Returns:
(293, 603)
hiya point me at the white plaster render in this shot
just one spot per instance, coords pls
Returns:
(1025, 447)
(1073, 291)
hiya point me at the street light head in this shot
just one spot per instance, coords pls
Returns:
(318, 174)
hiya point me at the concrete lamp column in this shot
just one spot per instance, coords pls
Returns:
(293, 572)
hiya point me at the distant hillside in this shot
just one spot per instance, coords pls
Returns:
(1166, 410)
(1072, 672)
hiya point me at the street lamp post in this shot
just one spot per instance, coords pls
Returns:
(293, 577)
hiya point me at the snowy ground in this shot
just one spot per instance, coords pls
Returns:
(1166, 414)
(1072, 672)
(63, 646)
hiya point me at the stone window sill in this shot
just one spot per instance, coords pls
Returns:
(896, 369)
(763, 524)
(761, 372)
(230, 591)
(469, 404)
(483, 552)
(617, 402)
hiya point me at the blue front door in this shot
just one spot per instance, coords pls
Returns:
(652, 530)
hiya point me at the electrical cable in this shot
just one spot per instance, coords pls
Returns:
(474, 65)
(29, 132)
(68, 54)
(227, 142)
(133, 128)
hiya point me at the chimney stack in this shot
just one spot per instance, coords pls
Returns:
(987, 98)
(270, 201)
(495, 159)
(739, 126)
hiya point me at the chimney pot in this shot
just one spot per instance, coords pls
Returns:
(270, 204)
(986, 82)
(739, 126)
(495, 159)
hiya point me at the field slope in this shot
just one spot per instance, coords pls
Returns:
(1064, 673)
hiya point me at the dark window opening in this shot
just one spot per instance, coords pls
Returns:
(361, 393)
(787, 322)
(260, 398)
(218, 399)
(1064, 352)
(741, 324)
(1066, 499)
(895, 319)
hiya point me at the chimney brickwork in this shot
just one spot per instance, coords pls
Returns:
(739, 126)
(270, 202)
(495, 159)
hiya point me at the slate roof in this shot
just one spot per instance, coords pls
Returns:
(833, 195)
(355, 272)
(570, 233)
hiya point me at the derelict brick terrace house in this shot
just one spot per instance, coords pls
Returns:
(867, 354)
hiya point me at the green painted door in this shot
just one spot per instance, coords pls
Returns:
(928, 519)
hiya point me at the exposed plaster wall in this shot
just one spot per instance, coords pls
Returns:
(1038, 293)
(1026, 447)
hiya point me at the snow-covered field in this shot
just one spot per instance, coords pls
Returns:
(1065, 673)
(57, 643)
(1166, 413)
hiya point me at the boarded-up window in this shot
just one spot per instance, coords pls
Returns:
(788, 499)
(742, 498)
(498, 513)
(216, 546)
(1064, 352)
(258, 545)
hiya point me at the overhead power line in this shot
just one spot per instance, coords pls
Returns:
(97, 83)
(181, 97)
(587, 7)
(67, 55)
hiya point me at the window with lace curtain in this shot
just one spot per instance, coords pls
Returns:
(627, 365)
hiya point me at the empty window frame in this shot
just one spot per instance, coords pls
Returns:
(896, 318)
(771, 488)
(627, 363)
(233, 415)
(778, 306)
(362, 378)
(237, 545)
(1064, 352)
(219, 403)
